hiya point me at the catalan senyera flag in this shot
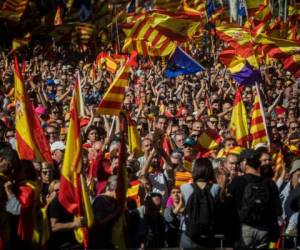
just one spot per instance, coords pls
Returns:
(13, 10)
(144, 39)
(20, 42)
(73, 194)
(134, 140)
(171, 5)
(287, 51)
(180, 27)
(82, 33)
(258, 129)
(112, 100)
(31, 141)
(279, 164)
(239, 123)
(58, 19)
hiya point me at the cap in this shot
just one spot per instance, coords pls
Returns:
(189, 141)
(50, 82)
(58, 145)
(295, 166)
(251, 157)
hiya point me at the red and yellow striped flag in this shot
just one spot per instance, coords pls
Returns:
(144, 39)
(57, 19)
(112, 100)
(31, 141)
(279, 164)
(20, 42)
(74, 195)
(258, 129)
(239, 124)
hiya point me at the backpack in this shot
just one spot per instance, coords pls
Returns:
(199, 214)
(255, 203)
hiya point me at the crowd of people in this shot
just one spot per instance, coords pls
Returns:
(185, 198)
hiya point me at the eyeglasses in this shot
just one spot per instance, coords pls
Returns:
(294, 128)
(54, 112)
(188, 121)
(213, 122)
(9, 136)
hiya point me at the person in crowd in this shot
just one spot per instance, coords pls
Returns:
(254, 196)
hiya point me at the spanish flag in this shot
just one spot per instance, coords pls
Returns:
(209, 140)
(134, 140)
(31, 141)
(239, 124)
(258, 129)
(74, 195)
(112, 100)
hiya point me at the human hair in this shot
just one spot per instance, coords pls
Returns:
(112, 183)
(203, 170)
(218, 163)
(90, 128)
(7, 152)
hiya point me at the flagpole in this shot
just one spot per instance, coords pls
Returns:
(263, 113)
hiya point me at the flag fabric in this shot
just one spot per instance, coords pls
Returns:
(144, 39)
(133, 191)
(13, 10)
(177, 27)
(31, 141)
(239, 123)
(58, 19)
(279, 164)
(258, 129)
(181, 63)
(73, 194)
(118, 237)
(209, 140)
(170, 5)
(235, 35)
(21, 42)
(134, 140)
(112, 100)
(242, 65)
(82, 33)
(110, 64)
(287, 51)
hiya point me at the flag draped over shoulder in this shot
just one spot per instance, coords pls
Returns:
(239, 124)
(112, 100)
(31, 141)
(258, 129)
(73, 195)
(181, 63)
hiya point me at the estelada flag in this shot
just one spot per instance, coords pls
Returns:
(73, 193)
(31, 141)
